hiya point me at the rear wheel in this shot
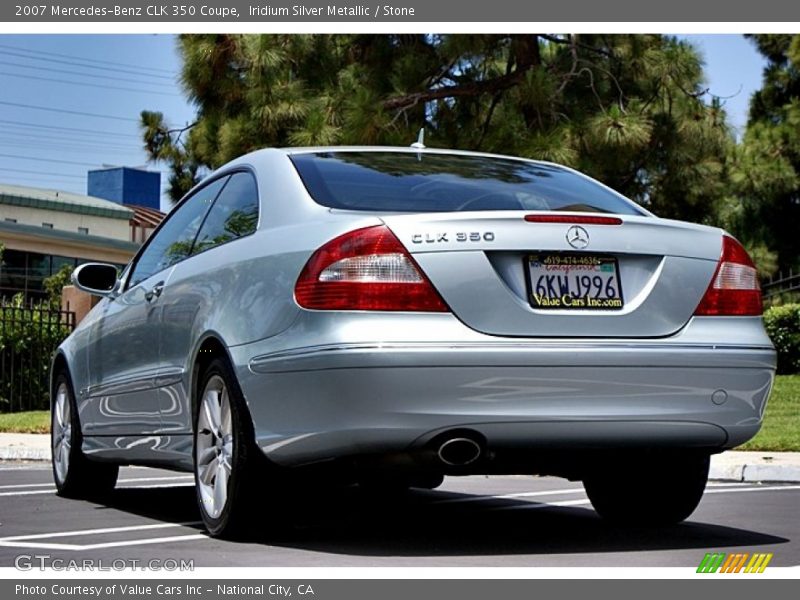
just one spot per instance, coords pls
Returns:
(661, 490)
(226, 465)
(75, 476)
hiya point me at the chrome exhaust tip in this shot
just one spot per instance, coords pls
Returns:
(459, 451)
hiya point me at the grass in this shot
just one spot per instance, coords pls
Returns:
(781, 430)
(31, 421)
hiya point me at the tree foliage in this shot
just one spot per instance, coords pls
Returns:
(626, 109)
(766, 176)
(783, 325)
(54, 285)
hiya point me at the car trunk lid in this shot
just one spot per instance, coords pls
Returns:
(489, 265)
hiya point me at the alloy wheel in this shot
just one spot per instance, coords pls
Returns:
(61, 437)
(214, 446)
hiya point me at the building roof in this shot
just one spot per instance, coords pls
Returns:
(125, 168)
(32, 197)
(93, 241)
(144, 216)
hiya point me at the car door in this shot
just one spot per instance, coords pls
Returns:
(190, 300)
(124, 365)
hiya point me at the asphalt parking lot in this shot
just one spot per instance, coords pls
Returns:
(469, 521)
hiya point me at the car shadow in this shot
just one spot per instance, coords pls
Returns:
(172, 504)
(351, 522)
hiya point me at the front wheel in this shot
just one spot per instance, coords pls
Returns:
(661, 490)
(225, 456)
(75, 476)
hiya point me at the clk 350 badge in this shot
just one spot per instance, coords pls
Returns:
(461, 236)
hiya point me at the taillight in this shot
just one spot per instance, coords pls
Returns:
(734, 289)
(365, 269)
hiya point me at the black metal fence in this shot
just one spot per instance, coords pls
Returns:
(29, 334)
(782, 284)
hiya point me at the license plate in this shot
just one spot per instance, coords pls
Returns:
(573, 282)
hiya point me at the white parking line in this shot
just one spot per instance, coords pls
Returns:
(771, 488)
(52, 490)
(25, 485)
(128, 480)
(40, 546)
(511, 496)
(81, 532)
(125, 487)
(162, 540)
(536, 505)
(27, 541)
(41, 540)
(157, 486)
(28, 493)
(172, 478)
(485, 498)
(74, 547)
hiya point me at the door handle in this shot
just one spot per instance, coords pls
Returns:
(154, 292)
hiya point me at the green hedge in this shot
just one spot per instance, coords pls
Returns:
(783, 326)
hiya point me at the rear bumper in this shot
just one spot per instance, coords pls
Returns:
(348, 398)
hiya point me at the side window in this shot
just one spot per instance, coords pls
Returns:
(173, 242)
(234, 214)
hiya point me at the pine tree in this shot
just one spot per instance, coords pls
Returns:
(766, 177)
(626, 109)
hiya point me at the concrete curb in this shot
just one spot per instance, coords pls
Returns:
(735, 466)
(24, 446)
(18, 453)
(771, 467)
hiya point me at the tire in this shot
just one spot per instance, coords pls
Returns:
(662, 490)
(227, 465)
(75, 475)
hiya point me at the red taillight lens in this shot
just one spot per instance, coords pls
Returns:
(734, 289)
(366, 269)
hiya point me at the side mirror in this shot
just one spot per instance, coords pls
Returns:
(98, 279)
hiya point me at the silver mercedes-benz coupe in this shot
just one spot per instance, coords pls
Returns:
(395, 315)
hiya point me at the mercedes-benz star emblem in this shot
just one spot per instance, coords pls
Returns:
(577, 237)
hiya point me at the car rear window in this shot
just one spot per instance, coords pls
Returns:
(432, 182)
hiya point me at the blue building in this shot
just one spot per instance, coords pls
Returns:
(127, 186)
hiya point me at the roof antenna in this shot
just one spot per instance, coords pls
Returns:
(420, 143)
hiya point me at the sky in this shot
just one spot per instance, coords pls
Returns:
(71, 103)
(95, 84)
(733, 70)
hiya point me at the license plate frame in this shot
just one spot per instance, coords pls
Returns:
(571, 265)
